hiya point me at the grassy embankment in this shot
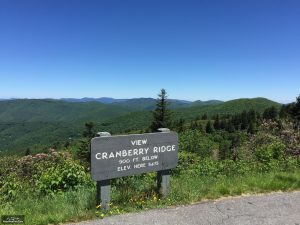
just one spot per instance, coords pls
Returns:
(185, 188)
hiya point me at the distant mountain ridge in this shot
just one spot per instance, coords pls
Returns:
(142, 103)
(106, 100)
(136, 103)
(29, 122)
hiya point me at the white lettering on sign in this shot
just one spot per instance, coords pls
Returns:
(122, 153)
(139, 142)
(163, 148)
(123, 168)
(138, 166)
(153, 163)
(147, 158)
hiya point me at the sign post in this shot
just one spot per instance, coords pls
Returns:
(126, 155)
(103, 186)
(163, 176)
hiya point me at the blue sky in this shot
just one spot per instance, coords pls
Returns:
(204, 49)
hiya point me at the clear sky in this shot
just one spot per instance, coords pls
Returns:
(203, 49)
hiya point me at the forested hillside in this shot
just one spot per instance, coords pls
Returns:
(31, 123)
(29, 110)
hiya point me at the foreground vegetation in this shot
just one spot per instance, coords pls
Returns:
(56, 187)
(80, 204)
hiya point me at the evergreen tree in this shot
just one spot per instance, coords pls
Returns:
(55, 145)
(194, 125)
(244, 120)
(217, 122)
(84, 150)
(258, 116)
(236, 121)
(204, 117)
(224, 149)
(28, 151)
(235, 143)
(273, 113)
(230, 127)
(252, 128)
(293, 110)
(252, 116)
(283, 112)
(223, 124)
(161, 114)
(89, 132)
(296, 109)
(200, 127)
(270, 113)
(67, 144)
(209, 127)
(179, 126)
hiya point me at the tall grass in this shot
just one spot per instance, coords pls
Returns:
(69, 206)
(185, 188)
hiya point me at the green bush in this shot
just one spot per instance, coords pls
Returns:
(227, 167)
(266, 153)
(197, 142)
(10, 187)
(186, 161)
(41, 173)
(63, 177)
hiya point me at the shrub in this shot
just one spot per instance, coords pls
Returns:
(41, 173)
(197, 142)
(66, 176)
(10, 187)
(266, 153)
(186, 161)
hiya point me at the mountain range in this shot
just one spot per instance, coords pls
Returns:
(39, 122)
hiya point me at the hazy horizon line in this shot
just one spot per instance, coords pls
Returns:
(128, 98)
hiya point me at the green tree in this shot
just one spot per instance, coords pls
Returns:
(28, 151)
(217, 122)
(179, 125)
(283, 112)
(89, 130)
(200, 127)
(209, 127)
(161, 114)
(235, 139)
(297, 112)
(55, 145)
(224, 149)
(244, 120)
(230, 127)
(252, 116)
(252, 128)
(84, 150)
(223, 124)
(204, 117)
(270, 113)
(293, 110)
(194, 125)
(297, 108)
(67, 144)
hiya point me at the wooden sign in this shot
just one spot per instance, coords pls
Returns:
(125, 155)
